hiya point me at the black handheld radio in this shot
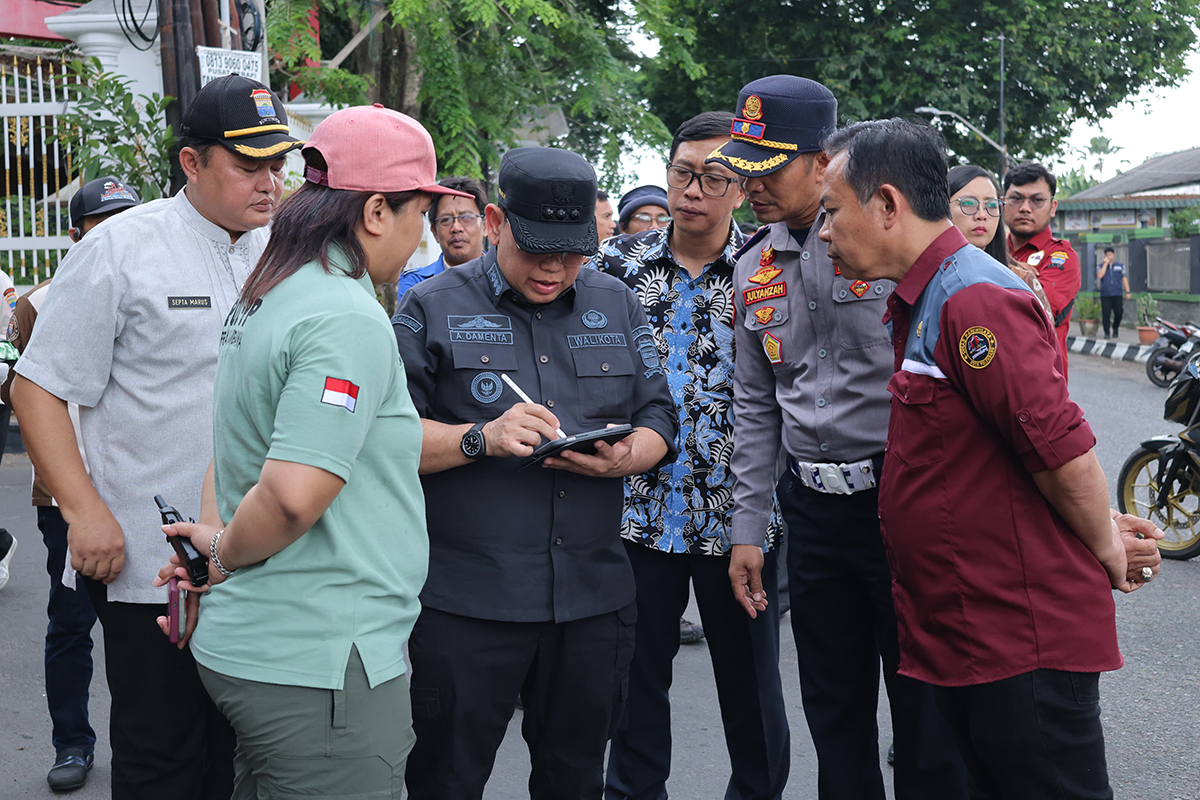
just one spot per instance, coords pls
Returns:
(196, 564)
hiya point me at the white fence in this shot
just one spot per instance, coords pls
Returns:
(34, 215)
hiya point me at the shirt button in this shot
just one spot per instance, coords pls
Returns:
(842, 293)
(804, 255)
(549, 404)
(878, 290)
(604, 367)
(812, 305)
(824, 447)
(1023, 416)
(538, 315)
(230, 249)
(821, 353)
(820, 402)
(562, 494)
(543, 359)
(484, 359)
(558, 541)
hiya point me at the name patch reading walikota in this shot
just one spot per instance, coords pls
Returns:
(189, 302)
(578, 340)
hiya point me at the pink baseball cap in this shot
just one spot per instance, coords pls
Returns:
(374, 149)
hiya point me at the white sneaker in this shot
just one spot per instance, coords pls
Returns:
(12, 548)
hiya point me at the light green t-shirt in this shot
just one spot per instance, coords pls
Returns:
(311, 375)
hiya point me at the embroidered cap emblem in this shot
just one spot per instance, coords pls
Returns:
(262, 101)
(594, 319)
(977, 347)
(766, 273)
(752, 110)
(486, 388)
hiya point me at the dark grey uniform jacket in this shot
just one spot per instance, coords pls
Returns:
(536, 544)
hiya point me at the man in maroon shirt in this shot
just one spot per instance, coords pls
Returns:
(994, 508)
(1029, 205)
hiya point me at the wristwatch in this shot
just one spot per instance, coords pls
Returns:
(473, 445)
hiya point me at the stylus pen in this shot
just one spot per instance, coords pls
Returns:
(513, 385)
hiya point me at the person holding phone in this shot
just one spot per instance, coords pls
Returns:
(312, 514)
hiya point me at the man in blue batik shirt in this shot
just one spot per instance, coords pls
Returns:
(676, 523)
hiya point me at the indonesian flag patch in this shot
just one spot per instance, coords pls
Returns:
(340, 393)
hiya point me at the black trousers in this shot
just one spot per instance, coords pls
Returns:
(68, 659)
(745, 658)
(1113, 306)
(1035, 736)
(572, 678)
(845, 624)
(168, 739)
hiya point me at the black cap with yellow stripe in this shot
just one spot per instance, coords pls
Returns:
(242, 114)
(777, 118)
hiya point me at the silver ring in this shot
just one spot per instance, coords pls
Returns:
(1147, 574)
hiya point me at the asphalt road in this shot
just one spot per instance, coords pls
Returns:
(1151, 707)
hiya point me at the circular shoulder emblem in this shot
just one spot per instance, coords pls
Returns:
(486, 388)
(594, 319)
(753, 107)
(977, 347)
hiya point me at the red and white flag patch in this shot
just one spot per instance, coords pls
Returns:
(340, 393)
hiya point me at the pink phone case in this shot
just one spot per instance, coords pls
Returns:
(173, 608)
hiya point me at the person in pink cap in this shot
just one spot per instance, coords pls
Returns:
(312, 517)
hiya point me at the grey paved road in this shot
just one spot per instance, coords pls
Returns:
(1151, 707)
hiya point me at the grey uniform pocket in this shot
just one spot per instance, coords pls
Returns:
(859, 307)
(477, 390)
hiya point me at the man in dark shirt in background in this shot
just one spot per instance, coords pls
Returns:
(1112, 282)
(530, 591)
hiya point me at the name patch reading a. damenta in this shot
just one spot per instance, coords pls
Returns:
(578, 340)
(486, 328)
(189, 302)
(765, 292)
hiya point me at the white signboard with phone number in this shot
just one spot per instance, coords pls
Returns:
(217, 63)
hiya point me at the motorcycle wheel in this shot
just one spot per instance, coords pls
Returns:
(1137, 489)
(1158, 374)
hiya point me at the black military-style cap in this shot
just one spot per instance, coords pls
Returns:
(242, 114)
(777, 118)
(549, 196)
(101, 196)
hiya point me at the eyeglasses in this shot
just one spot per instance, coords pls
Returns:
(970, 206)
(467, 220)
(711, 185)
(661, 219)
(1018, 200)
(569, 260)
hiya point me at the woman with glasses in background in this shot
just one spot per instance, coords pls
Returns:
(457, 226)
(976, 209)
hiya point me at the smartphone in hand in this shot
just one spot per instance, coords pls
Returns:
(174, 608)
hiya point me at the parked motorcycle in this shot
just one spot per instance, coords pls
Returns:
(1171, 350)
(1160, 481)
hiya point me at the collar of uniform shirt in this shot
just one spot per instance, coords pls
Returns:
(1040, 241)
(917, 277)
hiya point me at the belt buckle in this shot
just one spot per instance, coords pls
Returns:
(834, 479)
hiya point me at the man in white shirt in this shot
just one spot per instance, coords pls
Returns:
(129, 332)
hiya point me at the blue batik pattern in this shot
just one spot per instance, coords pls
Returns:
(684, 507)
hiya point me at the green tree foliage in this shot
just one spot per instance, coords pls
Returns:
(1073, 182)
(488, 67)
(111, 131)
(1181, 220)
(1064, 61)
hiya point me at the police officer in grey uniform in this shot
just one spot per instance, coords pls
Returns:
(530, 592)
(814, 359)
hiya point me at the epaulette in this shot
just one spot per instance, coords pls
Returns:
(753, 240)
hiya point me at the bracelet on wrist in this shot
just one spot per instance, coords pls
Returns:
(212, 554)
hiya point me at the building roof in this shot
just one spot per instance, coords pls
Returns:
(1077, 203)
(1160, 172)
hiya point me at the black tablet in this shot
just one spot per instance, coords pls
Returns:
(581, 443)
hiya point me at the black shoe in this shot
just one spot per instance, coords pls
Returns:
(689, 632)
(891, 759)
(70, 771)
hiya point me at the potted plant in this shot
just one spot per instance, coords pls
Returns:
(1089, 315)
(1147, 308)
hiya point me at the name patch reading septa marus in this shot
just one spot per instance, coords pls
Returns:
(189, 302)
